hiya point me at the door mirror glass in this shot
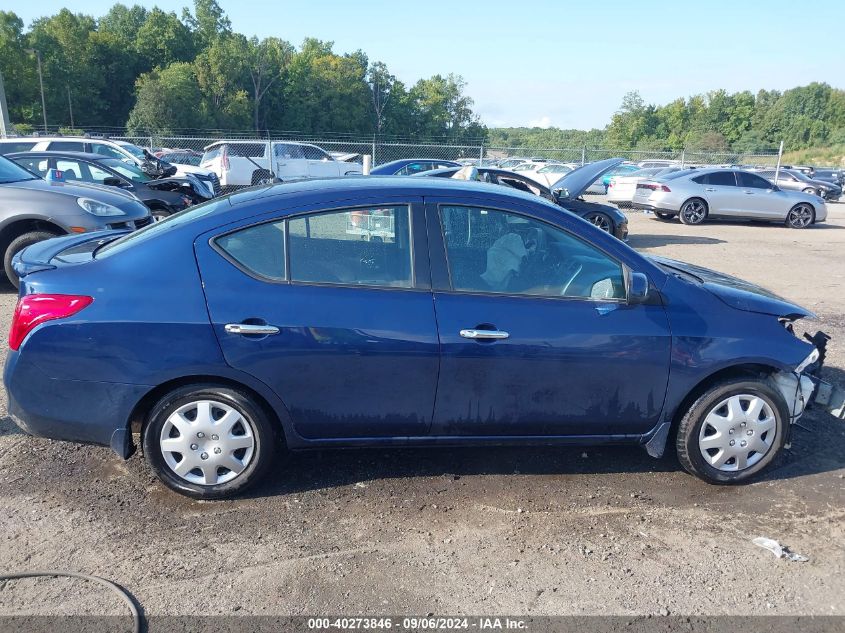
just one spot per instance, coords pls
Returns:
(638, 288)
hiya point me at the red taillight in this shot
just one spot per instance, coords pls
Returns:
(32, 310)
(653, 187)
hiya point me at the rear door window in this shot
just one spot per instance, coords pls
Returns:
(247, 150)
(366, 246)
(288, 151)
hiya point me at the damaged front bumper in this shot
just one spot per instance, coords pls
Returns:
(804, 389)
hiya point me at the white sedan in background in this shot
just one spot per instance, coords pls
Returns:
(622, 188)
(548, 174)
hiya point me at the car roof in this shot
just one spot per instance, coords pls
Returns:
(378, 185)
(89, 156)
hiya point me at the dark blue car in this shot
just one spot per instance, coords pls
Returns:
(387, 311)
(411, 166)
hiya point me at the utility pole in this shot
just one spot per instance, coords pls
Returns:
(70, 107)
(5, 125)
(41, 83)
(780, 157)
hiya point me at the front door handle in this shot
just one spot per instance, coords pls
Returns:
(709, 189)
(249, 329)
(748, 193)
(477, 334)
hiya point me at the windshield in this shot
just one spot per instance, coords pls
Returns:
(126, 169)
(136, 151)
(151, 230)
(11, 172)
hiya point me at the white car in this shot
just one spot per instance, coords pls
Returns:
(623, 187)
(140, 155)
(550, 174)
(245, 163)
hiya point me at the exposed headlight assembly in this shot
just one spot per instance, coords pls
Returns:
(97, 208)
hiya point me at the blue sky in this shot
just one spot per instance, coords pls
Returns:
(556, 62)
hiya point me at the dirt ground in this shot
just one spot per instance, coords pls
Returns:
(459, 531)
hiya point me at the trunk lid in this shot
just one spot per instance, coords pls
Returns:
(61, 251)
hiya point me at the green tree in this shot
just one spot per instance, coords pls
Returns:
(18, 70)
(266, 64)
(168, 100)
(208, 22)
(163, 40)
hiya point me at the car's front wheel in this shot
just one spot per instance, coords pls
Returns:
(800, 216)
(693, 211)
(16, 246)
(159, 214)
(600, 220)
(208, 441)
(733, 430)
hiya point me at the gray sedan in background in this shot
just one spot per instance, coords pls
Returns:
(694, 196)
(33, 209)
(793, 180)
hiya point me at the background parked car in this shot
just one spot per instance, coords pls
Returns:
(121, 150)
(697, 195)
(835, 176)
(411, 166)
(163, 196)
(793, 180)
(184, 157)
(551, 173)
(33, 209)
(604, 216)
(245, 163)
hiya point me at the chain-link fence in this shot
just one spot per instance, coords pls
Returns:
(383, 150)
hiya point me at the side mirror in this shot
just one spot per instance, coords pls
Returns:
(112, 181)
(637, 288)
(561, 194)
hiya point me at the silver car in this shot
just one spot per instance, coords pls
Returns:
(694, 196)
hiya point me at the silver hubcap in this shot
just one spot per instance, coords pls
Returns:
(207, 442)
(801, 215)
(737, 433)
(600, 221)
(694, 212)
(158, 217)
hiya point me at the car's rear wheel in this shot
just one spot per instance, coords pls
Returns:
(16, 246)
(801, 216)
(663, 216)
(600, 220)
(262, 177)
(693, 211)
(208, 441)
(733, 430)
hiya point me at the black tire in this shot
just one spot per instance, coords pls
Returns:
(801, 216)
(262, 177)
(16, 246)
(690, 429)
(663, 216)
(601, 221)
(262, 429)
(694, 211)
(159, 214)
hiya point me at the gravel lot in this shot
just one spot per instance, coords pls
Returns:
(459, 531)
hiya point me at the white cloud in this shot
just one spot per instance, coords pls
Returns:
(543, 122)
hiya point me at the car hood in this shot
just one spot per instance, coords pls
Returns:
(576, 181)
(101, 193)
(737, 293)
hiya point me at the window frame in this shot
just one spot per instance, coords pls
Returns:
(437, 206)
(420, 276)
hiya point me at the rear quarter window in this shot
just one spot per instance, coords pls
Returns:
(259, 249)
(10, 148)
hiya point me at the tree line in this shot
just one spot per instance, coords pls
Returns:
(803, 117)
(154, 71)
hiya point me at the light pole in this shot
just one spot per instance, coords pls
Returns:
(41, 83)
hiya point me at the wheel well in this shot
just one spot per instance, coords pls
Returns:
(703, 201)
(16, 229)
(138, 417)
(735, 371)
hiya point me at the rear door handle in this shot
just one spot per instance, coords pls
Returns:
(477, 334)
(249, 329)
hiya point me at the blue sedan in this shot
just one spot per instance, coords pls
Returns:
(411, 166)
(387, 311)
